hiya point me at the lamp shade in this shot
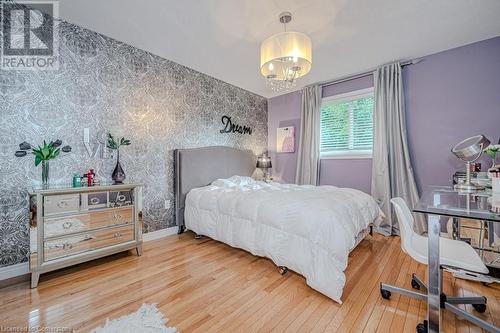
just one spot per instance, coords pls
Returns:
(284, 53)
(264, 162)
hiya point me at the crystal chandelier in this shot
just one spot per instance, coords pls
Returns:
(285, 57)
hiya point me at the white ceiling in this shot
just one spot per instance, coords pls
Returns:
(222, 37)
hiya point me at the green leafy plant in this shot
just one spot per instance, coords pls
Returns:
(45, 152)
(492, 151)
(114, 144)
(48, 151)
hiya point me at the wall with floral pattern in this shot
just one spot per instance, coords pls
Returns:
(105, 85)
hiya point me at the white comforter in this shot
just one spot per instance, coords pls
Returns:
(309, 229)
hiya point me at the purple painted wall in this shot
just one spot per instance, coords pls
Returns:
(449, 96)
(283, 111)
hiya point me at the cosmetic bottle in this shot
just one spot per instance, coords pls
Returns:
(77, 181)
(90, 178)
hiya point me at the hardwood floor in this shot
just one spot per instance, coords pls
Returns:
(207, 286)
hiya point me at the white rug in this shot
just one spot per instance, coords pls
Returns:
(147, 319)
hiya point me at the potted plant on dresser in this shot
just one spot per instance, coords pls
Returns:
(43, 154)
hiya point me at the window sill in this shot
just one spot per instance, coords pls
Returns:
(345, 156)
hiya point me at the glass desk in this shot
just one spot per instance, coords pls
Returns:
(439, 201)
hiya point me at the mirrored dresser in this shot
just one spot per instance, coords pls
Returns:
(70, 225)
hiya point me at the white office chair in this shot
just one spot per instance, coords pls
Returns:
(453, 253)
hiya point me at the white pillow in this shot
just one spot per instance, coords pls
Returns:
(234, 181)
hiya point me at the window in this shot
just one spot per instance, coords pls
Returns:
(347, 125)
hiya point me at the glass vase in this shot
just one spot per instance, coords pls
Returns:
(118, 175)
(45, 174)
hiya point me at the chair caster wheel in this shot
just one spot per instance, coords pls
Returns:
(422, 327)
(481, 308)
(282, 270)
(386, 294)
(414, 284)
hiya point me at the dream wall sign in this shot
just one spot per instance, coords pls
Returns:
(232, 127)
(285, 140)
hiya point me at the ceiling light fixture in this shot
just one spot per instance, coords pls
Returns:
(285, 57)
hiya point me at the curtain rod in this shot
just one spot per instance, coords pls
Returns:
(364, 74)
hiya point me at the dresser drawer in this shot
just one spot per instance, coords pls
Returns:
(93, 240)
(63, 203)
(57, 226)
(66, 246)
(111, 217)
(96, 200)
(120, 198)
(113, 236)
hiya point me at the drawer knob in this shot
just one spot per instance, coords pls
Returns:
(67, 246)
(118, 234)
(62, 204)
(67, 225)
(117, 216)
(94, 201)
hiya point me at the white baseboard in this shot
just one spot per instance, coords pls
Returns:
(11, 271)
(159, 234)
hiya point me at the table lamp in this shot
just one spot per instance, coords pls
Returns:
(469, 150)
(264, 163)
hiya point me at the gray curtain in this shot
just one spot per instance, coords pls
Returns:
(392, 173)
(308, 157)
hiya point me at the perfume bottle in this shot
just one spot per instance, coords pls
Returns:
(90, 177)
(77, 181)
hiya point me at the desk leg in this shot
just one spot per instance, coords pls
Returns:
(434, 290)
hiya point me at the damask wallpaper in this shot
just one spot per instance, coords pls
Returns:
(105, 85)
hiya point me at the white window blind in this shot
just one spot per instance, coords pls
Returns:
(347, 125)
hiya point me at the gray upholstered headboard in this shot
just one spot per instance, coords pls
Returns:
(197, 167)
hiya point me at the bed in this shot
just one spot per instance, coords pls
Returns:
(308, 229)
